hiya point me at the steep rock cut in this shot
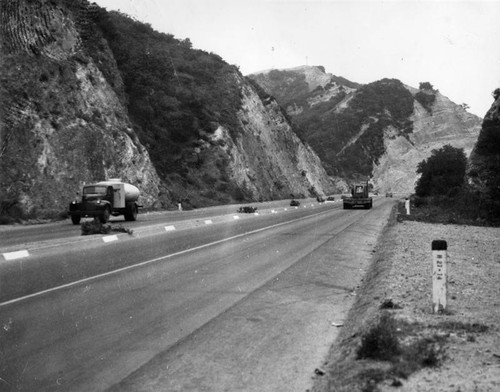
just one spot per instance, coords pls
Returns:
(270, 157)
(263, 159)
(61, 123)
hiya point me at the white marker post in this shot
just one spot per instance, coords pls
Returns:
(407, 206)
(439, 278)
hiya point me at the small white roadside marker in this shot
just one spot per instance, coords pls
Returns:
(208, 222)
(256, 214)
(169, 228)
(274, 212)
(110, 238)
(439, 275)
(20, 254)
(236, 217)
(286, 209)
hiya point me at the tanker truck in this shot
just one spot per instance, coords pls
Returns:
(106, 198)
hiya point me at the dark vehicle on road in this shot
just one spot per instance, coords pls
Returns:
(106, 198)
(359, 197)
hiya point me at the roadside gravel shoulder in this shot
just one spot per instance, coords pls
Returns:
(399, 283)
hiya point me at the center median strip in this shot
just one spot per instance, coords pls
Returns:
(31, 249)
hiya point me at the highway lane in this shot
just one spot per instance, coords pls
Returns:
(80, 257)
(91, 335)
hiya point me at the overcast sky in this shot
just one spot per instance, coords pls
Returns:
(451, 44)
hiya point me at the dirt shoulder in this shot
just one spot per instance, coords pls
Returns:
(455, 351)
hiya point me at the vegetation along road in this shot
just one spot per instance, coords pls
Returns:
(223, 302)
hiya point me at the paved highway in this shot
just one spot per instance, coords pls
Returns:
(185, 304)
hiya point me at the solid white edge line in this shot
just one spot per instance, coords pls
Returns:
(130, 267)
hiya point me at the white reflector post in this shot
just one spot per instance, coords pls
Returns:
(439, 278)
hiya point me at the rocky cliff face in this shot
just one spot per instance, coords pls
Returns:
(268, 158)
(483, 171)
(72, 114)
(263, 160)
(379, 131)
(62, 124)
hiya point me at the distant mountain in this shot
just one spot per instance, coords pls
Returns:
(378, 131)
(86, 95)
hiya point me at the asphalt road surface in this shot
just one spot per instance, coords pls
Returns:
(210, 302)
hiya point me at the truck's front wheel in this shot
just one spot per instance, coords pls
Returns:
(75, 219)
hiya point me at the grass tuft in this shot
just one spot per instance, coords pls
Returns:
(382, 343)
(96, 227)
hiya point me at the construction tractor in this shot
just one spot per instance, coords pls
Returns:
(359, 197)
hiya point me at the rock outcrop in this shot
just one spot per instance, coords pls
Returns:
(268, 158)
(62, 124)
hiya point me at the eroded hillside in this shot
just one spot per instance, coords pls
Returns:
(378, 131)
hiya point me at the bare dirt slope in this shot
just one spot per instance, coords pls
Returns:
(458, 351)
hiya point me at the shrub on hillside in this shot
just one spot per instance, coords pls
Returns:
(426, 86)
(425, 99)
(426, 96)
(442, 174)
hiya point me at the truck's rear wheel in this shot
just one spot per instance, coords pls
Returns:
(131, 213)
(75, 219)
(105, 215)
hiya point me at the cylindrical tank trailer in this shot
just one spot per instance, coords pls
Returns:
(131, 191)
